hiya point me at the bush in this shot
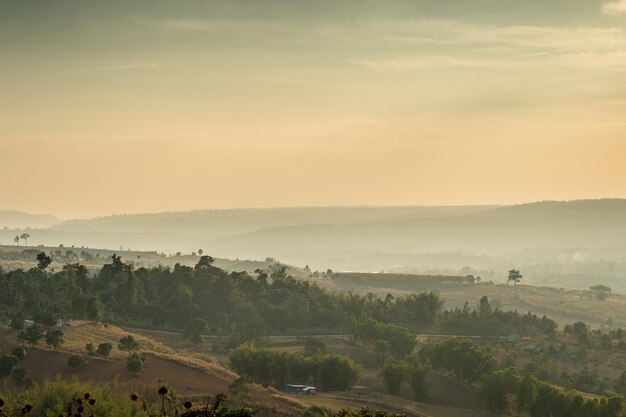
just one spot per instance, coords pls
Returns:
(21, 377)
(77, 361)
(104, 349)
(7, 363)
(32, 334)
(54, 338)
(90, 349)
(19, 352)
(135, 363)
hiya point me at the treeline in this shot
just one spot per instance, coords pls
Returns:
(327, 372)
(506, 388)
(486, 321)
(237, 303)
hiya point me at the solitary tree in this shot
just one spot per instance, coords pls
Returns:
(25, 237)
(515, 276)
(43, 260)
(16, 239)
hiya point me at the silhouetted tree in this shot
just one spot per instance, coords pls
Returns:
(515, 276)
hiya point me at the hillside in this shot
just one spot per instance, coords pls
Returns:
(573, 244)
(17, 220)
(190, 378)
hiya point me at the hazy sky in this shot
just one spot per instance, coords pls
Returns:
(138, 106)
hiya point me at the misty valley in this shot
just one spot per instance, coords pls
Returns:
(463, 336)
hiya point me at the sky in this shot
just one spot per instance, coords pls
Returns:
(146, 106)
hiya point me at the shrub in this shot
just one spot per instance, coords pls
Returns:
(77, 361)
(135, 363)
(7, 363)
(104, 349)
(19, 352)
(21, 377)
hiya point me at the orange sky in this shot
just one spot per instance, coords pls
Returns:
(119, 108)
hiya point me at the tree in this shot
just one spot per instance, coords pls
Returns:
(54, 338)
(16, 239)
(19, 352)
(17, 322)
(135, 363)
(416, 375)
(21, 377)
(77, 362)
(515, 276)
(32, 334)
(200, 252)
(104, 349)
(393, 374)
(195, 330)
(43, 260)
(314, 347)
(90, 348)
(240, 388)
(205, 262)
(621, 384)
(128, 344)
(25, 237)
(7, 363)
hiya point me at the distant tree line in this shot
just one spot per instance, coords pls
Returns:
(205, 298)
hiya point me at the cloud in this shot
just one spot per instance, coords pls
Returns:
(614, 7)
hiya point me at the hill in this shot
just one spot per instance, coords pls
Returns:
(16, 219)
(572, 243)
(190, 378)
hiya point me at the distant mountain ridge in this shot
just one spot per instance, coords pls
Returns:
(13, 219)
(562, 242)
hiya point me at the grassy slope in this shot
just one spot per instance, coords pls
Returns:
(191, 377)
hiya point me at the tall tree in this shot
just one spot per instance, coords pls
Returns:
(25, 237)
(515, 276)
(16, 239)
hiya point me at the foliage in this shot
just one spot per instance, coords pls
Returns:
(278, 368)
(54, 338)
(19, 352)
(400, 339)
(128, 344)
(463, 358)
(488, 322)
(77, 361)
(7, 364)
(244, 305)
(104, 349)
(195, 330)
(90, 348)
(43, 260)
(21, 377)
(393, 375)
(32, 334)
(135, 362)
(240, 387)
(314, 347)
